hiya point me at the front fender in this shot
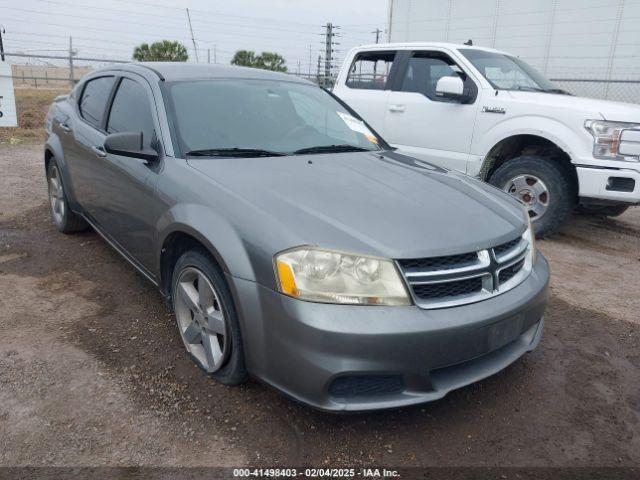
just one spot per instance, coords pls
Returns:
(215, 232)
(573, 143)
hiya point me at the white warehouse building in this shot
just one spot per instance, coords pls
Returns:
(588, 47)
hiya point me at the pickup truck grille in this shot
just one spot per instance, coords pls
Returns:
(445, 281)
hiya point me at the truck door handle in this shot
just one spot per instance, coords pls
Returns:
(396, 108)
(65, 127)
(99, 151)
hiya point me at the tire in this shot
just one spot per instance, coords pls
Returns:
(546, 186)
(66, 220)
(207, 320)
(604, 210)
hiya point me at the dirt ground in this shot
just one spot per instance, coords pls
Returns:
(92, 371)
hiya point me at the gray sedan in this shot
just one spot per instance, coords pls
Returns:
(291, 241)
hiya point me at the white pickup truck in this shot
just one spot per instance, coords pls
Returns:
(492, 116)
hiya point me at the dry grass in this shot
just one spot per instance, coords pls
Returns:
(32, 105)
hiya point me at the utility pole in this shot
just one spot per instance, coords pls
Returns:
(72, 81)
(328, 52)
(208, 55)
(195, 49)
(377, 31)
(215, 53)
(318, 71)
(1, 44)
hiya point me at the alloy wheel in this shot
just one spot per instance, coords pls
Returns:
(56, 195)
(200, 319)
(532, 192)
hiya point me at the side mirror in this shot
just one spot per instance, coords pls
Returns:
(129, 144)
(450, 87)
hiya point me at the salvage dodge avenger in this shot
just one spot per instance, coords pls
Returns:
(291, 241)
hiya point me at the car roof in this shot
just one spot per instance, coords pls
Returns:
(421, 45)
(176, 71)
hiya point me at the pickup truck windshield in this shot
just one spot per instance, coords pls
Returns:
(246, 117)
(505, 72)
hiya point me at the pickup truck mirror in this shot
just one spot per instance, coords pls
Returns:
(451, 88)
(129, 144)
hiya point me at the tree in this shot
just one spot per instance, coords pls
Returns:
(266, 60)
(164, 51)
(244, 58)
(271, 61)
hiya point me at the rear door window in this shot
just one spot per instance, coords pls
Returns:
(370, 70)
(93, 101)
(131, 111)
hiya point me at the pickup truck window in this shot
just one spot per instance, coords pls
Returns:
(370, 70)
(130, 111)
(93, 101)
(505, 72)
(425, 69)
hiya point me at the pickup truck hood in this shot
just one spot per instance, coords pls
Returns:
(386, 204)
(592, 108)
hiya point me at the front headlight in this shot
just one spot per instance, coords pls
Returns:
(530, 236)
(328, 276)
(606, 139)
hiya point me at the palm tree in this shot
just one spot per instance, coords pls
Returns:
(271, 61)
(244, 58)
(163, 51)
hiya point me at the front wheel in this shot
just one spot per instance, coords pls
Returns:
(545, 186)
(207, 319)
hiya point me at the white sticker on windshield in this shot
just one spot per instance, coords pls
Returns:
(357, 126)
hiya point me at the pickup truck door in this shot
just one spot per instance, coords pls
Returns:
(365, 87)
(421, 124)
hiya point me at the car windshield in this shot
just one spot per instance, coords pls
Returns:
(250, 118)
(505, 72)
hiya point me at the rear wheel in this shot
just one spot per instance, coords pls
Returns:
(207, 319)
(65, 220)
(544, 185)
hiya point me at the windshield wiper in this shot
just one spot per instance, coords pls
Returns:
(558, 90)
(233, 152)
(331, 149)
(525, 88)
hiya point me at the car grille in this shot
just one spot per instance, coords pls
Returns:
(443, 281)
(448, 289)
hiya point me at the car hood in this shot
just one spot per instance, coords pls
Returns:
(387, 204)
(592, 108)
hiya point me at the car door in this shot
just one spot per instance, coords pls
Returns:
(125, 204)
(365, 87)
(84, 135)
(418, 122)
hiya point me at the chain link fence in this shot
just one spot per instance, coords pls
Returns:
(617, 90)
(68, 69)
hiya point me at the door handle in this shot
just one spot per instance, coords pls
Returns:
(65, 127)
(99, 151)
(396, 108)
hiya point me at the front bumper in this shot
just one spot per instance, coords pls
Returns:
(345, 358)
(611, 184)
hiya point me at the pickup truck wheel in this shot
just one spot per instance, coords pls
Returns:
(64, 218)
(543, 185)
(207, 319)
(604, 210)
